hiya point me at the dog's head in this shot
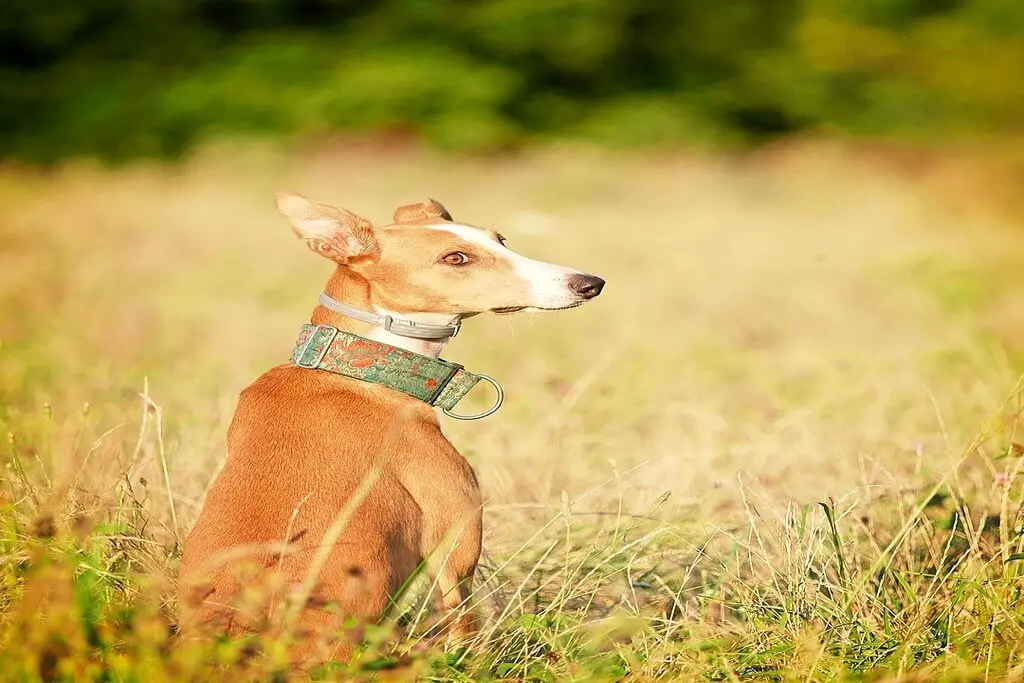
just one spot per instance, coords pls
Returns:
(425, 262)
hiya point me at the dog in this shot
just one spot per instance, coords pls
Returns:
(339, 484)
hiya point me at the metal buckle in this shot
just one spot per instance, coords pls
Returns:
(313, 365)
(387, 321)
(493, 409)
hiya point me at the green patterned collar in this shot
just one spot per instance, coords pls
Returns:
(432, 380)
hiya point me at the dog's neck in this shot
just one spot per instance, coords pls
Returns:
(353, 290)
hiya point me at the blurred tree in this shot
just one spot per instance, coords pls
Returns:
(120, 78)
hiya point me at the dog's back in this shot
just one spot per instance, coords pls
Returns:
(301, 446)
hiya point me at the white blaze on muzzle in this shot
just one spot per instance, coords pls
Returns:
(547, 283)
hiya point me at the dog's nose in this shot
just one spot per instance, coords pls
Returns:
(587, 286)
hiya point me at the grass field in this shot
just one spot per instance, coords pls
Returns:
(780, 446)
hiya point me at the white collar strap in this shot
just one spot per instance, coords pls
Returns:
(403, 328)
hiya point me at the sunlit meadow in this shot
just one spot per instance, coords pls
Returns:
(780, 446)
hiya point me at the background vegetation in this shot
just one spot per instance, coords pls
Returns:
(781, 446)
(121, 78)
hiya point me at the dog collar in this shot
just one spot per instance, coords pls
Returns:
(434, 381)
(403, 328)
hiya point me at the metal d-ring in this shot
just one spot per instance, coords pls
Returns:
(490, 411)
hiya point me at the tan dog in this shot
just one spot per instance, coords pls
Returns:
(339, 488)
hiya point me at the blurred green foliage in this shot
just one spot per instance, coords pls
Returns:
(122, 78)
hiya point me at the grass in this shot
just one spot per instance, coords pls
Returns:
(781, 446)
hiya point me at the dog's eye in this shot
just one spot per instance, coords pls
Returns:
(501, 239)
(456, 258)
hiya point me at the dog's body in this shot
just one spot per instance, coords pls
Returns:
(338, 489)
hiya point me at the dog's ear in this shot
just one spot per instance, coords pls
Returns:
(338, 234)
(415, 212)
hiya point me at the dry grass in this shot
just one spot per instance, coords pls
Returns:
(777, 333)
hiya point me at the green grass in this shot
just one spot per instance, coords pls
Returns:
(783, 444)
